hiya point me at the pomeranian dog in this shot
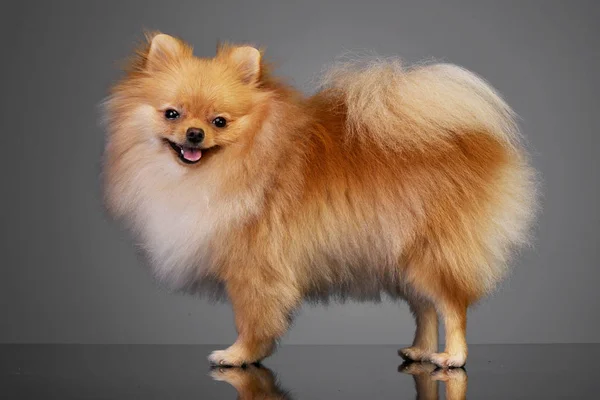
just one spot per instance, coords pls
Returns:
(410, 182)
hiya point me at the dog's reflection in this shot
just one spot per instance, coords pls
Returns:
(252, 382)
(257, 382)
(427, 376)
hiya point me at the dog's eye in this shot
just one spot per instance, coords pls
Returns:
(171, 114)
(219, 122)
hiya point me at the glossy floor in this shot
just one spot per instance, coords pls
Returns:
(295, 372)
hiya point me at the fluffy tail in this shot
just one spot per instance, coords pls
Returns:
(424, 108)
(401, 108)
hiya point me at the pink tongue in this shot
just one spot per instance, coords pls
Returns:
(192, 154)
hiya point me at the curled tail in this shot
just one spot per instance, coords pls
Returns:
(402, 108)
(424, 109)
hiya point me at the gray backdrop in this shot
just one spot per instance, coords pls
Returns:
(70, 275)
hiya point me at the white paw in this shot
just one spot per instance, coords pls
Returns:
(226, 358)
(445, 360)
(414, 354)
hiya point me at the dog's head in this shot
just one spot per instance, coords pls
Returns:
(186, 105)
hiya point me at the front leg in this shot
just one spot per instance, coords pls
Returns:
(263, 310)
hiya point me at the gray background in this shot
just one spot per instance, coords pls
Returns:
(71, 276)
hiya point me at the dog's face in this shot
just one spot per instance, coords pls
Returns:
(194, 105)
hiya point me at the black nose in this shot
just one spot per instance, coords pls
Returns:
(194, 135)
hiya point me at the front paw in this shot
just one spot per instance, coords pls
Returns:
(231, 357)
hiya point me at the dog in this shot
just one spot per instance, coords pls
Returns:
(407, 181)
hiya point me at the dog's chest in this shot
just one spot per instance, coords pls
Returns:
(175, 229)
(177, 224)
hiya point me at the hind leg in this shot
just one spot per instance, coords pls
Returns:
(426, 335)
(454, 315)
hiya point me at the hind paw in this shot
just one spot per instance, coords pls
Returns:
(446, 360)
(414, 353)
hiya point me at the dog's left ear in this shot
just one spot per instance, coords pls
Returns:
(245, 59)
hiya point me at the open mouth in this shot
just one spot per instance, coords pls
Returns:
(189, 155)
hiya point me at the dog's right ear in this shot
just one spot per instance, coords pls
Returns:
(163, 50)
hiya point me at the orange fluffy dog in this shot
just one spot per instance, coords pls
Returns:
(409, 182)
